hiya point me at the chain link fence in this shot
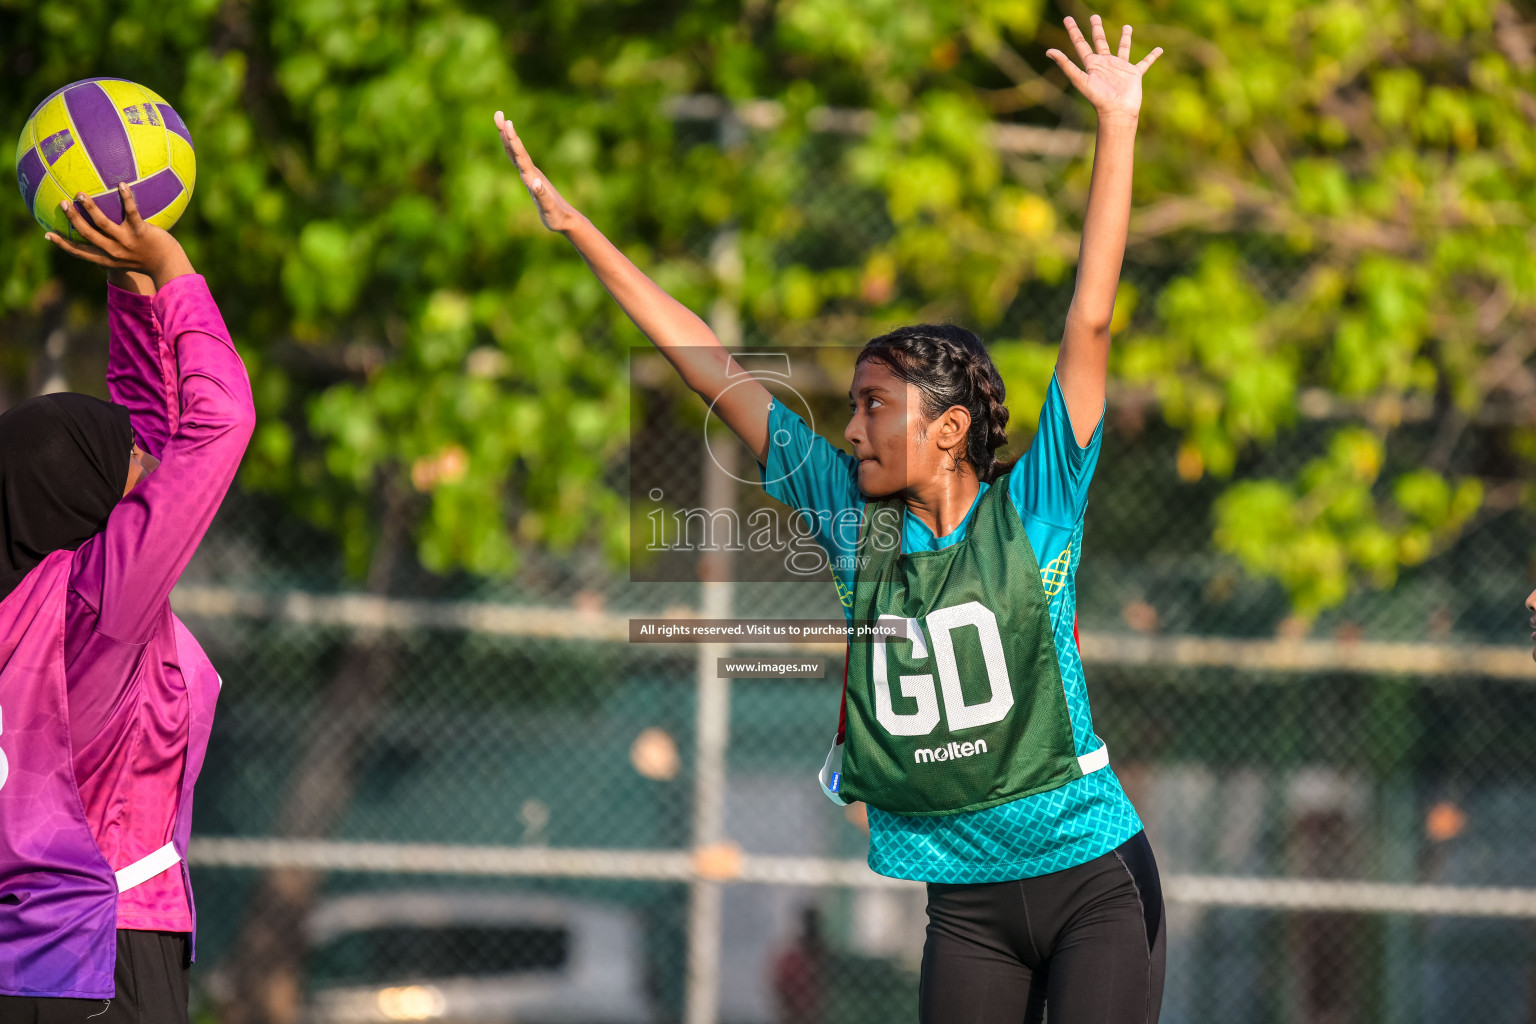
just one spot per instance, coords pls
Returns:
(477, 800)
(478, 739)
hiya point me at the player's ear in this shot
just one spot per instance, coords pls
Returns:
(951, 428)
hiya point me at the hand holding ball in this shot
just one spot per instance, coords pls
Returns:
(92, 135)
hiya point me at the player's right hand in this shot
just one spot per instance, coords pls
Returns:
(131, 245)
(554, 211)
(1107, 78)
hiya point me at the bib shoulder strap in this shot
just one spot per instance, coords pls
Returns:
(880, 528)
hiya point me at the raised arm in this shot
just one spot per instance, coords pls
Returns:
(140, 372)
(154, 530)
(1113, 85)
(687, 342)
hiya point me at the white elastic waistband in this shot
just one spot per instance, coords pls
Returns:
(1091, 763)
(145, 868)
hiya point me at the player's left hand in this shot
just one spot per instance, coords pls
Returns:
(1109, 80)
(131, 245)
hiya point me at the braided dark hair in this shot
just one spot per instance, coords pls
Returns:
(950, 365)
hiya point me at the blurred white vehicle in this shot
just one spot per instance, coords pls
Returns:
(474, 958)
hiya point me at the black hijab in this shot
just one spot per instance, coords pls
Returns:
(63, 464)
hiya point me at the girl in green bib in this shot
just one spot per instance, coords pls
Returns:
(968, 731)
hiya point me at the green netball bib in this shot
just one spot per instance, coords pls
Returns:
(967, 709)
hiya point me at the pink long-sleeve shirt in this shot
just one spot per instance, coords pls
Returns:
(172, 363)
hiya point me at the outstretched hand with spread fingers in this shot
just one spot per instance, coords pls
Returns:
(1109, 80)
(554, 211)
(132, 245)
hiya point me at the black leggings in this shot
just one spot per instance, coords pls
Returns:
(1087, 941)
(151, 982)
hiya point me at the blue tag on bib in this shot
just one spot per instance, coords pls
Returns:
(836, 779)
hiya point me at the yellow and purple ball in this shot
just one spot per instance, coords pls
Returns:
(91, 135)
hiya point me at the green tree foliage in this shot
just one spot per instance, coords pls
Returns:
(1383, 153)
(411, 328)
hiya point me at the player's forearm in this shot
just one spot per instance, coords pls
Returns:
(689, 345)
(672, 327)
(138, 374)
(687, 342)
(1082, 366)
(131, 281)
(1105, 226)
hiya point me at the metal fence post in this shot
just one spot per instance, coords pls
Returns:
(713, 721)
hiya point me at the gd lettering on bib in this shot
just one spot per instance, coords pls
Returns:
(965, 709)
